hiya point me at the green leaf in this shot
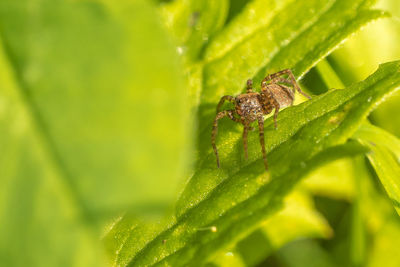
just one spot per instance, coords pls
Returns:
(335, 180)
(291, 39)
(193, 22)
(340, 25)
(305, 253)
(384, 249)
(106, 94)
(384, 157)
(298, 219)
(41, 221)
(294, 35)
(244, 195)
(92, 121)
(323, 28)
(256, 15)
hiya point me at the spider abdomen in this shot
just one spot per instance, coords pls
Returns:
(281, 95)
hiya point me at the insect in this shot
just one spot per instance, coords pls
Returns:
(277, 92)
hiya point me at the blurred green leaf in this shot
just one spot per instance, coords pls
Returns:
(92, 122)
(333, 180)
(358, 234)
(246, 194)
(385, 248)
(41, 221)
(106, 94)
(298, 219)
(378, 219)
(193, 23)
(305, 253)
(256, 15)
(384, 157)
(382, 116)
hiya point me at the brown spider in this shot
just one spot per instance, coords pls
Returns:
(251, 106)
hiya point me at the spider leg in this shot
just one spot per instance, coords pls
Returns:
(223, 99)
(281, 80)
(295, 84)
(232, 117)
(304, 94)
(245, 131)
(278, 74)
(276, 114)
(291, 77)
(262, 142)
(220, 115)
(249, 86)
(276, 105)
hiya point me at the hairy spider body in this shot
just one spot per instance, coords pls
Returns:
(249, 106)
(276, 93)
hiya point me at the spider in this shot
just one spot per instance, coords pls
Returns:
(276, 93)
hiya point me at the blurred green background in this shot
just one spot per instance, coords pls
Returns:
(100, 114)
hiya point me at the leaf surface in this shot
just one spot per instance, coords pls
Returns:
(192, 23)
(41, 221)
(384, 157)
(106, 94)
(308, 136)
(239, 51)
(91, 122)
(298, 219)
(289, 39)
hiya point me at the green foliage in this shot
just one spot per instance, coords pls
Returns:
(297, 219)
(102, 102)
(384, 157)
(307, 137)
(104, 141)
(92, 120)
(288, 39)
